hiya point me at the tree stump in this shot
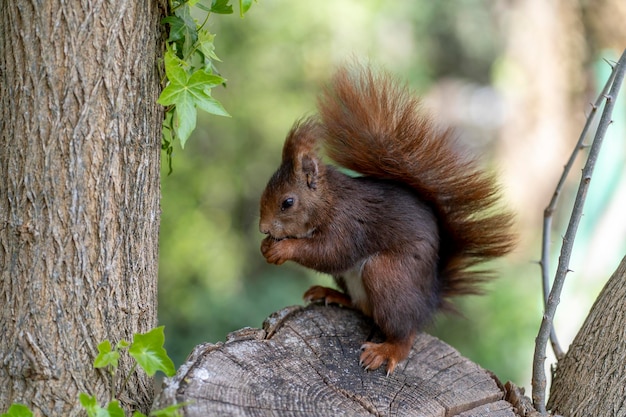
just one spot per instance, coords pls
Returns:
(305, 362)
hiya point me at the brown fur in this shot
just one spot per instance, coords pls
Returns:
(401, 239)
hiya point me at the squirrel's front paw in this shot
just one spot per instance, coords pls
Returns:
(275, 251)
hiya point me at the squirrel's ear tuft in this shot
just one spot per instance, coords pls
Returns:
(302, 139)
(300, 150)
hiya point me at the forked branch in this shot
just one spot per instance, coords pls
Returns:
(549, 210)
(539, 376)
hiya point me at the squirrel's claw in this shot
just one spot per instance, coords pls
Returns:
(374, 355)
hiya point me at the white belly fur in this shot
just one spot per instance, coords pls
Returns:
(354, 284)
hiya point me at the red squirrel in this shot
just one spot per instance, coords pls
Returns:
(402, 235)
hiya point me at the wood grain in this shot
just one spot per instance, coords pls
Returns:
(304, 362)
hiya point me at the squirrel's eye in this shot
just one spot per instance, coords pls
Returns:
(286, 204)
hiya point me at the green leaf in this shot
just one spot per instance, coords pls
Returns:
(106, 356)
(205, 44)
(171, 411)
(188, 92)
(203, 7)
(177, 27)
(190, 31)
(183, 31)
(185, 115)
(90, 404)
(221, 7)
(175, 68)
(211, 105)
(200, 85)
(244, 6)
(148, 351)
(114, 409)
(122, 344)
(18, 410)
(138, 414)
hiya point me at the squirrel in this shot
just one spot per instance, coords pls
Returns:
(400, 235)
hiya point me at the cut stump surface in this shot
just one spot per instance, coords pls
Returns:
(305, 362)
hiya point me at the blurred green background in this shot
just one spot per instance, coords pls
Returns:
(468, 58)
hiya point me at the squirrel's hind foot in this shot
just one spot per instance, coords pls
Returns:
(375, 354)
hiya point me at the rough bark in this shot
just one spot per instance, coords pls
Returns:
(591, 379)
(304, 362)
(79, 194)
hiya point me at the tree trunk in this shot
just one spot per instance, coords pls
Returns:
(79, 194)
(591, 379)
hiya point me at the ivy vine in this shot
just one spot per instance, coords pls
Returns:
(148, 353)
(190, 69)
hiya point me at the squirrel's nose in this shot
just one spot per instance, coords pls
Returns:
(264, 228)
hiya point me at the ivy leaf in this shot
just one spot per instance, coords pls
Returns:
(175, 68)
(186, 93)
(221, 7)
(122, 344)
(189, 30)
(114, 409)
(171, 411)
(205, 44)
(90, 404)
(185, 115)
(244, 6)
(106, 356)
(200, 85)
(18, 410)
(177, 27)
(148, 351)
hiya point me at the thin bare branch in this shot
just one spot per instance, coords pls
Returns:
(549, 211)
(539, 376)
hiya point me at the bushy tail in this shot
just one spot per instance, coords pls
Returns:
(374, 126)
